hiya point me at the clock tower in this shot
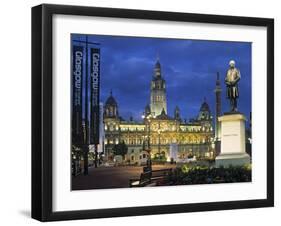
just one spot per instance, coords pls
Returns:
(158, 101)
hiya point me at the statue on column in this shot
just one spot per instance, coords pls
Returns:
(231, 80)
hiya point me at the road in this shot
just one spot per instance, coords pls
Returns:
(110, 177)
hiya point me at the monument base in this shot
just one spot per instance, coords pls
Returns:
(233, 144)
(232, 159)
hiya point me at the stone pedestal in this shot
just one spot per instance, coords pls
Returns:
(233, 144)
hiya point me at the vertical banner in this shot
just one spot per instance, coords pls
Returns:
(77, 78)
(94, 89)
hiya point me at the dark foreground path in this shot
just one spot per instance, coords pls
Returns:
(110, 177)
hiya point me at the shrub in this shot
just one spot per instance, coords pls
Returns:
(203, 175)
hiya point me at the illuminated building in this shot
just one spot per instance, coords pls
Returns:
(158, 130)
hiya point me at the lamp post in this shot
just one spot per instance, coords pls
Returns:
(159, 148)
(147, 120)
(213, 146)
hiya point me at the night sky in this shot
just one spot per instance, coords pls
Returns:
(188, 66)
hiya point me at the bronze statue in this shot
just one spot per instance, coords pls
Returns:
(231, 80)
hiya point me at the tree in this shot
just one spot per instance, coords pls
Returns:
(120, 149)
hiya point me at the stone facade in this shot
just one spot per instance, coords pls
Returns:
(157, 131)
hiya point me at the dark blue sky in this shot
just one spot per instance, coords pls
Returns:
(188, 66)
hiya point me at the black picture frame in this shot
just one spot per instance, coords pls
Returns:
(42, 107)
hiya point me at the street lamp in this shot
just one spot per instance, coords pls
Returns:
(213, 147)
(159, 132)
(147, 120)
(159, 141)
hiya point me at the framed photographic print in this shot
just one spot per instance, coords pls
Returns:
(146, 112)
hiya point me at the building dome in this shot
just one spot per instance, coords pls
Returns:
(157, 70)
(157, 64)
(111, 107)
(205, 107)
(111, 100)
(205, 112)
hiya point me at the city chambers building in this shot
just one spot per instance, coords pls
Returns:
(158, 133)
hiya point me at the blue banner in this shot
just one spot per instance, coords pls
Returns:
(77, 89)
(95, 97)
